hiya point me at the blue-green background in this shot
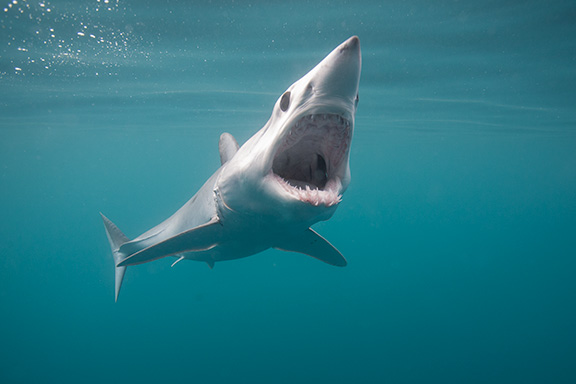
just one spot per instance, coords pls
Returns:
(459, 225)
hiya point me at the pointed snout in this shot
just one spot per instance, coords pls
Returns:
(338, 74)
(352, 44)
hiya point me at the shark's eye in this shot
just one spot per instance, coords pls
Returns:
(285, 101)
(357, 99)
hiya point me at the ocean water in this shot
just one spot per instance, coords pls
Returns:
(459, 225)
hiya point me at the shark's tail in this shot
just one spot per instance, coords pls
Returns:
(116, 239)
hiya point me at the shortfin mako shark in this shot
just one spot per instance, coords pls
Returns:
(288, 176)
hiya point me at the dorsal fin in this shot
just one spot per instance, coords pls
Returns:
(227, 146)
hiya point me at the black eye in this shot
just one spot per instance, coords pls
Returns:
(285, 101)
(357, 99)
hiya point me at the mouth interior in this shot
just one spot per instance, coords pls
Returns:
(309, 162)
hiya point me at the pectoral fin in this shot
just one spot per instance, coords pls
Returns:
(312, 244)
(200, 238)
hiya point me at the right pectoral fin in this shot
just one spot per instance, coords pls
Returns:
(312, 244)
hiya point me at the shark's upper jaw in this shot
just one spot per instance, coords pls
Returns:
(311, 160)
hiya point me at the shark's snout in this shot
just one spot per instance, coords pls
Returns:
(338, 75)
(352, 44)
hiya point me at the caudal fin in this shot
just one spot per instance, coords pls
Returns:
(116, 238)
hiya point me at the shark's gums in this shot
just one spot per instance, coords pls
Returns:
(288, 176)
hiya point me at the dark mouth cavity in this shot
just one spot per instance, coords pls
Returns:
(312, 152)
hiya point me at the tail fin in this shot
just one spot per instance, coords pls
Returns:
(116, 239)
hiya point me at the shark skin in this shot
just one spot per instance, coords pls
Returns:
(269, 192)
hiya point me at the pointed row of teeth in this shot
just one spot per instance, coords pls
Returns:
(334, 127)
(328, 197)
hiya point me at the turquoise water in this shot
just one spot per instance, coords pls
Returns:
(459, 225)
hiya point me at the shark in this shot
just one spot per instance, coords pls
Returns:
(268, 192)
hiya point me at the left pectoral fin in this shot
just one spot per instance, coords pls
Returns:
(312, 244)
(200, 238)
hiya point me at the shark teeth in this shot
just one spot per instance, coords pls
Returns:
(332, 128)
(309, 162)
(327, 197)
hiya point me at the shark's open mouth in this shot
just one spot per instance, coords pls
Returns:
(309, 164)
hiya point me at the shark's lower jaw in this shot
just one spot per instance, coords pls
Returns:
(309, 163)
